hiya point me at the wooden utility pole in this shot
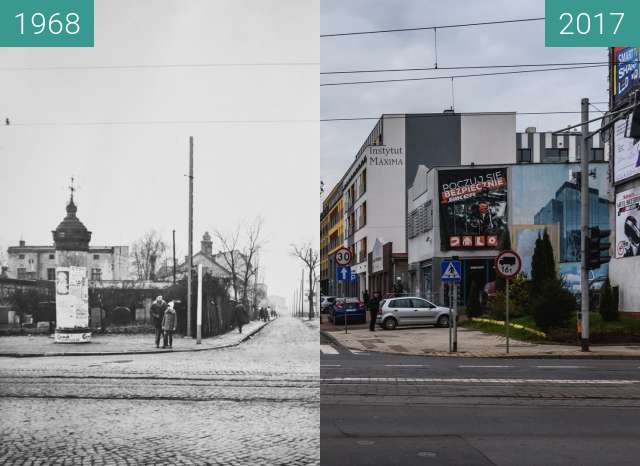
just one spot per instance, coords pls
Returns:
(174, 257)
(190, 257)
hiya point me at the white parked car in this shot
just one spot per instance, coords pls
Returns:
(325, 303)
(410, 310)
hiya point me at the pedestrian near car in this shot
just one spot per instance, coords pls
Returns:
(169, 324)
(373, 304)
(157, 314)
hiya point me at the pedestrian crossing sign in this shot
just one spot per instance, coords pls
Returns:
(450, 271)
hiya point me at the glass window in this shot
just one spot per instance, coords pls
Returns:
(52, 256)
(597, 154)
(22, 273)
(51, 274)
(96, 257)
(402, 303)
(21, 256)
(523, 155)
(421, 303)
(96, 275)
(556, 155)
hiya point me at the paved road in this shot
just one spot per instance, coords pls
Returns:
(404, 410)
(257, 403)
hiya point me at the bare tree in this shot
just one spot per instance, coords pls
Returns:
(310, 256)
(241, 259)
(147, 253)
(249, 256)
(229, 253)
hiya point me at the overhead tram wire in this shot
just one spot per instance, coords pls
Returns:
(463, 67)
(427, 28)
(142, 66)
(459, 76)
(290, 121)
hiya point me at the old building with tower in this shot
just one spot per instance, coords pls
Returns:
(71, 247)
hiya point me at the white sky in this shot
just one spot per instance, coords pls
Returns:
(518, 43)
(131, 177)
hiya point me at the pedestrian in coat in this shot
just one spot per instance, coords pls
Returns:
(157, 314)
(169, 324)
(373, 304)
(238, 313)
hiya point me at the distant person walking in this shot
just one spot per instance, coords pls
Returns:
(169, 324)
(373, 304)
(157, 314)
(238, 312)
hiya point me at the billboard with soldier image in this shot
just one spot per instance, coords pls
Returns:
(473, 207)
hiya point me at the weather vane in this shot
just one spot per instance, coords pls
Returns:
(72, 188)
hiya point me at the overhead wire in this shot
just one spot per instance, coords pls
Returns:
(459, 76)
(426, 28)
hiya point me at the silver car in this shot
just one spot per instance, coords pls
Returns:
(410, 310)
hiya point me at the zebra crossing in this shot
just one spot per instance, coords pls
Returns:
(329, 350)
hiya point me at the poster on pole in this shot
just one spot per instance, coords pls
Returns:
(626, 154)
(628, 223)
(473, 207)
(72, 298)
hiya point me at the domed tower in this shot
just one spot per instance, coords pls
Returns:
(71, 238)
(206, 245)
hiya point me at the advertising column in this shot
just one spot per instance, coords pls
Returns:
(72, 305)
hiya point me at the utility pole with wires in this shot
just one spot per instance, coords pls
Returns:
(584, 225)
(190, 257)
(174, 257)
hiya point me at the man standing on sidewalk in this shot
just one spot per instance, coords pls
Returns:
(157, 314)
(373, 305)
(238, 312)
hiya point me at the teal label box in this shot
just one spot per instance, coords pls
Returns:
(592, 23)
(46, 23)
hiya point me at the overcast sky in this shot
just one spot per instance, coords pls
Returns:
(518, 43)
(131, 177)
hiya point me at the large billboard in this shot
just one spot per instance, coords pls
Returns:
(628, 223)
(473, 207)
(625, 72)
(72, 298)
(626, 153)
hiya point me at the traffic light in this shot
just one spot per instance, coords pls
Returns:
(598, 248)
(633, 128)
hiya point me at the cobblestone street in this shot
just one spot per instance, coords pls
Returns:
(257, 403)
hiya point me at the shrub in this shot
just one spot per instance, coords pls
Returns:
(552, 305)
(608, 305)
(473, 307)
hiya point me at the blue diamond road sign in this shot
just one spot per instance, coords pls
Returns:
(450, 271)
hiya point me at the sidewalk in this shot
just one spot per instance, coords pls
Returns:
(429, 341)
(43, 345)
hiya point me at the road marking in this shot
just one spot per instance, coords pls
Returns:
(359, 353)
(475, 380)
(330, 365)
(482, 367)
(561, 367)
(328, 349)
(405, 365)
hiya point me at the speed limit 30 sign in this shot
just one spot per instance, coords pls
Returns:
(508, 264)
(343, 256)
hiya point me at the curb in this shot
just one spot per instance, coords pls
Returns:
(115, 353)
(444, 354)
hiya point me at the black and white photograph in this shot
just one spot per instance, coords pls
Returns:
(159, 238)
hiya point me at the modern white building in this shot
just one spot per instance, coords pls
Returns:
(375, 185)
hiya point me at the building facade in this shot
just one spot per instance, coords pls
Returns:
(624, 268)
(465, 212)
(375, 185)
(331, 239)
(70, 247)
